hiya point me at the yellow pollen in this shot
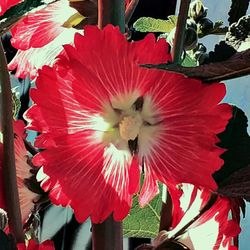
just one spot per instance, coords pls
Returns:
(130, 127)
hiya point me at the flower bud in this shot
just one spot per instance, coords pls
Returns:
(197, 10)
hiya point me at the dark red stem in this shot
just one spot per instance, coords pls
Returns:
(9, 169)
(166, 213)
(103, 13)
(180, 31)
(111, 11)
(167, 205)
(107, 235)
(130, 10)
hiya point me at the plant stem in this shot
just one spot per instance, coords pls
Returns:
(130, 10)
(9, 169)
(166, 210)
(111, 11)
(107, 235)
(167, 205)
(103, 13)
(180, 31)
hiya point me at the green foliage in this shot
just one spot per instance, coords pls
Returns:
(188, 61)
(218, 24)
(16, 104)
(216, 29)
(197, 10)
(143, 222)
(149, 24)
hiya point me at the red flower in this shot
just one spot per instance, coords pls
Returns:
(40, 28)
(6, 4)
(212, 231)
(41, 35)
(104, 120)
(33, 245)
(27, 62)
(23, 172)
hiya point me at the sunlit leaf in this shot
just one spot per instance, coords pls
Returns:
(149, 24)
(16, 104)
(218, 24)
(143, 222)
(188, 61)
(73, 21)
(217, 29)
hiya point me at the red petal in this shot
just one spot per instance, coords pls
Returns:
(30, 31)
(149, 189)
(6, 4)
(105, 75)
(33, 245)
(213, 230)
(56, 194)
(69, 102)
(185, 146)
(134, 176)
(93, 179)
(26, 61)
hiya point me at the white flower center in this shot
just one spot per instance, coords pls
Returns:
(130, 126)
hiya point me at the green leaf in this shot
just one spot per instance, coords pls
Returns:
(216, 29)
(143, 222)
(173, 20)
(217, 24)
(149, 24)
(188, 61)
(16, 103)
